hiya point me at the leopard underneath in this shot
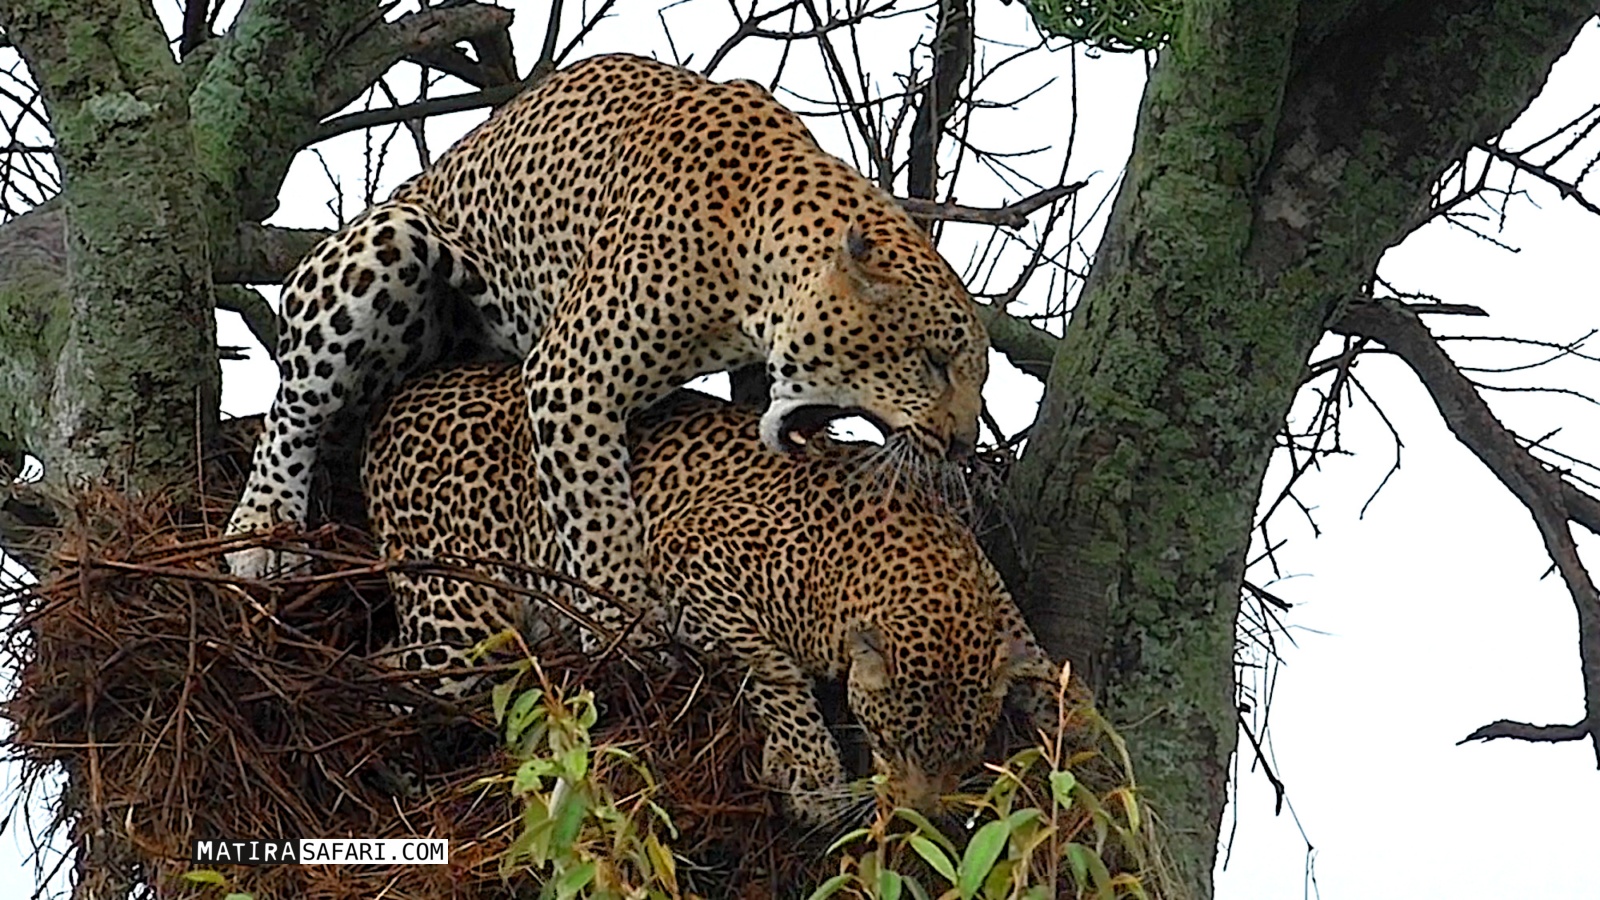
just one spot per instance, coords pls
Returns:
(622, 227)
(799, 568)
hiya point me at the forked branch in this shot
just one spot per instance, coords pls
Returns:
(1553, 502)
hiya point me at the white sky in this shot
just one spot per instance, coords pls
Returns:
(1414, 625)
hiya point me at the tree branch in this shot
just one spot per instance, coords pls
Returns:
(257, 313)
(262, 254)
(1522, 731)
(1027, 346)
(1567, 189)
(1541, 490)
(438, 106)
(196, 28)
(952, 58)
(378, 49)
(1012, 215)
(247, 128)
(27, 524)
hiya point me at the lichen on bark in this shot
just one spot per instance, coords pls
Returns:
(1278, 154)
(135, 376)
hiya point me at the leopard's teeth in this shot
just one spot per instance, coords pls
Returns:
(797, 438)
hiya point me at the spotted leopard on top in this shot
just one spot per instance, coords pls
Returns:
(798, 568)
(622, 227)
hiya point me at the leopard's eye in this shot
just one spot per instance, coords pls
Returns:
(937, 364)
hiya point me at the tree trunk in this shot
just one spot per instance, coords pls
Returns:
(1279, 153)
(136, 380)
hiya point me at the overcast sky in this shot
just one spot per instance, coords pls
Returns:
(1413, 625)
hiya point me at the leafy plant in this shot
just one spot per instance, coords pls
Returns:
(1036, 833)
(215, 879)
(575, 835)
(1117, 26)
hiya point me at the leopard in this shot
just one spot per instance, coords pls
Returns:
(798, 570)
(620, 227)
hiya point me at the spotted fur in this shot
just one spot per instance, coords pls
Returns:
(623, 227)
(799, 568)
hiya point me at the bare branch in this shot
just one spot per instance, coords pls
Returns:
(27, 523)
(438, 106)
(1568, 190)
(552, 30)
(257, 313)
(1522, 731)
(952, 59)
(1012, 215)
(262, 254)
(1027, 346)
(379, 48)
(457, 64)
(196, 27)
(1543, 491)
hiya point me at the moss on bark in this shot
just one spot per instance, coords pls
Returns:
(1273, 165)
(135, 373)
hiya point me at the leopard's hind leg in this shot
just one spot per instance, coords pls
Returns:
(393, 292)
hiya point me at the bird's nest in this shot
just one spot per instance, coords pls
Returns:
(181, 703)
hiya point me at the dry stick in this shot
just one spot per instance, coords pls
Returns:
(1545, 494)
(1567, 189)
(1012, 215)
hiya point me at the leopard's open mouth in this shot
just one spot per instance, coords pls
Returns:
(803, 423)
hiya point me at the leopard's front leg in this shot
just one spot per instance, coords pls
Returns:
(800, 758)
(711, 563)
(578, 407)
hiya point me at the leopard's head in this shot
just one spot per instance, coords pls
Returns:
(929, 668)
(878, 326)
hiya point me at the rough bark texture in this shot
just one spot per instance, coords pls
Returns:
(131, 337)
(168, 171)
(1279, 153)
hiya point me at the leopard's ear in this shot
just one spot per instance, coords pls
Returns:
(869, 665)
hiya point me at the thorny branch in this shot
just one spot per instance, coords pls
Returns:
(1567, 189)
(1549, 498)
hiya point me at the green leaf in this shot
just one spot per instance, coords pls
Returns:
(1130, 805)
(574, 880)
(889, 884)
(501, 695)
(830, 887)
(588, 715)
(1061, 784)
(575, 762)
(918, 892)
(846, 838)
(524, 712)
(998, 884)
(206, 876)
(982, 851)
(935, 857)
(1023, 817)
(1078, 857)
(568, 816)
(238, 895)
(926, 828)
(530, 776)
(1101, 878)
